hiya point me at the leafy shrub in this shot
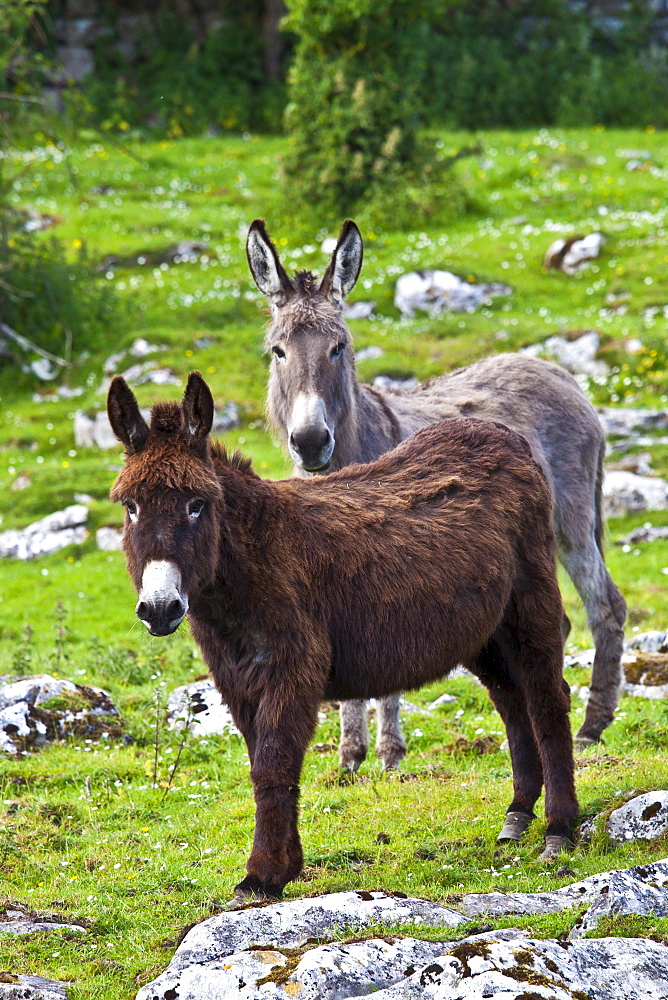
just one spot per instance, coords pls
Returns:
(63, 306)
(353, 118)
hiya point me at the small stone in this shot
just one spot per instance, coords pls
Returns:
(574, 253)
(200, 706)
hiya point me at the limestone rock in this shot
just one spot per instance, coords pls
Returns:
(227, 418)
(626, 493)
(33, 988)
(201, 704)
(646, 533)
(358, 310)
(291, 924)
(399, 384)
(577, 356)
(29, 720)
(109, 539)
(50, 534)
(645, 674)
(435, 292)
(622, 421)
(574, 253)
(633, 890)
(369, 353)
(255, 952)
(19, 920)
(643, 818)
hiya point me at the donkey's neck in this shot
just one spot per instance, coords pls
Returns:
(369, 429)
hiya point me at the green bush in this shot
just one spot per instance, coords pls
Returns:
(63, 306)
(353, 118)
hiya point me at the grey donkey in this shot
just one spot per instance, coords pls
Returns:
(326, 419)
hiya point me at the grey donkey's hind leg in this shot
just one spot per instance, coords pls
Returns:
(606, 614)
(390, 745)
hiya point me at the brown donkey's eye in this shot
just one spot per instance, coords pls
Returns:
(337, 351)
(278, 351)
(131, 508)
(195, 508)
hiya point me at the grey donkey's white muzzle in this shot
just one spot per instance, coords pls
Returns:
(310, 438)
(161, 606)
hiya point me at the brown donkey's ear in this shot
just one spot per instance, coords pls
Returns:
(126, 421)
(198, 407)
(344, 268)
(266, 268)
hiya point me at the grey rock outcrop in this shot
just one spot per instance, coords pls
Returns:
(50, 534)
(19, 921)
(249, 941)
(272, 951)
(33, 988)
(643, 890)
(435, 292)
(28, 721)
(643, 818)
(626, 493)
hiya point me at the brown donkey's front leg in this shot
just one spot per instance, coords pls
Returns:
(279, 740)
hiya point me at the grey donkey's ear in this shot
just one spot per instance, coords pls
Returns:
(344, 268)
(270, 275)
(126, 421)
(197, 407)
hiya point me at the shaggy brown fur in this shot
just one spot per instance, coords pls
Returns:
(359, 584)
(343, 421)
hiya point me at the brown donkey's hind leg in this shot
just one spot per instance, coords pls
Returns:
(493, 670)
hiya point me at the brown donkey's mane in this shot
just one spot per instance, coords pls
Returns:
(377, 578)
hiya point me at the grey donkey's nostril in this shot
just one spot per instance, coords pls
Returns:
(312, 439)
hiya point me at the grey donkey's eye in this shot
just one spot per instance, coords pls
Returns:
(278, 351)
(337, 351)
(195, 508)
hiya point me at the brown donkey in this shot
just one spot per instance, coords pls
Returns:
(327, 419)
(354, 585)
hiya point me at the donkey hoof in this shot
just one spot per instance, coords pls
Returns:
(254, 890)
(515, 826)
(554, 846)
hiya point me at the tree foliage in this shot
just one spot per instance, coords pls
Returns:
(353, 116)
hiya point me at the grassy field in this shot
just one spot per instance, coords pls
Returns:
(83, 830)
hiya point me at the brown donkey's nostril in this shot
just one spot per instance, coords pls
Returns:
(142, 610)
(174, 609)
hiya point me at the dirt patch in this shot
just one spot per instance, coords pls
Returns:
(480, 745)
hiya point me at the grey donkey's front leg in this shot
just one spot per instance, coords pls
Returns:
(390, 745)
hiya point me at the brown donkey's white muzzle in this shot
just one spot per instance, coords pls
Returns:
(161, 606)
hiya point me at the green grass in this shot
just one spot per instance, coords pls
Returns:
(82, 829)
